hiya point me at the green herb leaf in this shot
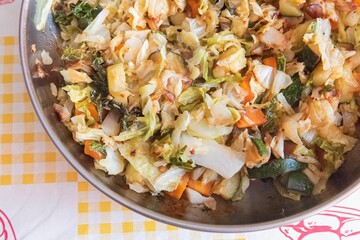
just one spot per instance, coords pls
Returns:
(98, 147)
(85, 13)
(62, 18)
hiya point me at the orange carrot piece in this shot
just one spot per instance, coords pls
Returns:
(245, 84)
(93, 111)
(178, 192)
(357, 2)
(194, 7)
(204, 189)
(255, 116)
(270, 61)
(94, 154)
(78, 112)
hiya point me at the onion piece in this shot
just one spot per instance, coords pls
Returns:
(285, 104)
(111, 125)
(196, 174)
(196, 198)
(307, 159)
(209, 176)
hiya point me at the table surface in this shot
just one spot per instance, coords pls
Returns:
(42, 197)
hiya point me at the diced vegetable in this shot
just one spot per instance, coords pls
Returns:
(281, 62)
(194, 7)
(113, 163)
(245, 84)
(203, 188)
(196, 198)
(272, 115)
(94, 149)
(228, 187)
(178, 192)
(258, 142)
(117, 83)
(271, 62)
(276, 167)
(252, 117)
(284, 192)
(298, 182)
(291, 8)
(293, 92)
(308, 57)
(218, 157)
(244, 184)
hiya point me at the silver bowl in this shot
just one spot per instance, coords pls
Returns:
(261, 208)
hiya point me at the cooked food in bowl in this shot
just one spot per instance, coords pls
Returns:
(199, 98)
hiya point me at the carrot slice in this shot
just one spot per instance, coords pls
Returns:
(204, 189)
(357, 2)
(252, 117)
(245, 84)
(94, 154)
(194, 7)
(270, 61)
(92, 109)
(178, 192)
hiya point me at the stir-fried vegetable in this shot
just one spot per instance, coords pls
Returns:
(200, 96)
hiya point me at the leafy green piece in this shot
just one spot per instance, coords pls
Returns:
(85, 13)
(259, 98)
(260, 145)
(327, 88)
(191, 98)
(71, 54)
(62, 18)
(293, 92)
(182, 161)
(273, 114)
(276, 168)
(98, 147)
(281, 62)
(163, 148)
(333, 152)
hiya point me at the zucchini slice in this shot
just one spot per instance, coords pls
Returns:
(228, 187)
(309, 58)
(276, 168)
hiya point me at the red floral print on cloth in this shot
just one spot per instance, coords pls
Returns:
(337, 223)
(6, 229)
(5, 1)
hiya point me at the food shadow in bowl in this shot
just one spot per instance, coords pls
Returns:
(261, 208)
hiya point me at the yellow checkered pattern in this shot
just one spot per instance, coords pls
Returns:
(27, 156)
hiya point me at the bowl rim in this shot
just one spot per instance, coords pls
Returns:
(99, 185)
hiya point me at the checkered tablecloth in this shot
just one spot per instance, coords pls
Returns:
(42, 197)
